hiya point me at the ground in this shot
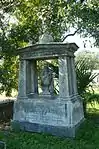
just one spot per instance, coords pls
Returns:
(87, 137)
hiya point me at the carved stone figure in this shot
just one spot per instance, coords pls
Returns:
(47, 82)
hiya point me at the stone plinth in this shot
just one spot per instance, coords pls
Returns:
(58, 115)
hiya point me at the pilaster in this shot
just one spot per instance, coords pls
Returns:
(22, 79)
(64, 90)
(74, 81)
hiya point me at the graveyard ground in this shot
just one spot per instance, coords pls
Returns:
(87, 137)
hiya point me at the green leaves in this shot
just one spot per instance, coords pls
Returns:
(34, 17)
(85, 63)
(9, 75)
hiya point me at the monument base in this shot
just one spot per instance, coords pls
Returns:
(60, 131)
(57, 117)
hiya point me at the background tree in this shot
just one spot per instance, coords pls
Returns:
(86, 18)
(8, 62)
(85, 63)
(34, 17)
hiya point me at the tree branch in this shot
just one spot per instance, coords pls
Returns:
(72, 34)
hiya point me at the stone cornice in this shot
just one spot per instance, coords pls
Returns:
(49, 50)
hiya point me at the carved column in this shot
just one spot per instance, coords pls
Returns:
(28, 78)
(70, 75)
(22, 79)
(64, 89)
(74, 81)
(34, 77)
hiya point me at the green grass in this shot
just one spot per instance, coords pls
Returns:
(87, 137)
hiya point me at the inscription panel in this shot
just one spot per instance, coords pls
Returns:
(44, 113)
(47, 114)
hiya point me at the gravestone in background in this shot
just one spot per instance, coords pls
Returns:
(60, 114)
(2, 145)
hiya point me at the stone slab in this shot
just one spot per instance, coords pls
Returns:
(41, 111)
(48, 129)
(49, 50)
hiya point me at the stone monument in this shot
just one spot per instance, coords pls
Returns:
(45, 112)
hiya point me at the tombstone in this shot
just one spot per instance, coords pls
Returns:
(2, 145)
(45, 112)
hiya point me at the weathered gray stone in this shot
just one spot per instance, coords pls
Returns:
(74, 82)
(40, 118)
(63, 77)
(54, 113)
(39, 112)
(22, 79)
(54, 130)
(47, 82)
(2, 145)
(45, 38)
(49, 50)
(70, 75)
(34, 77)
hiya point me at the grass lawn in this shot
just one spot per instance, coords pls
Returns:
(87, 137)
